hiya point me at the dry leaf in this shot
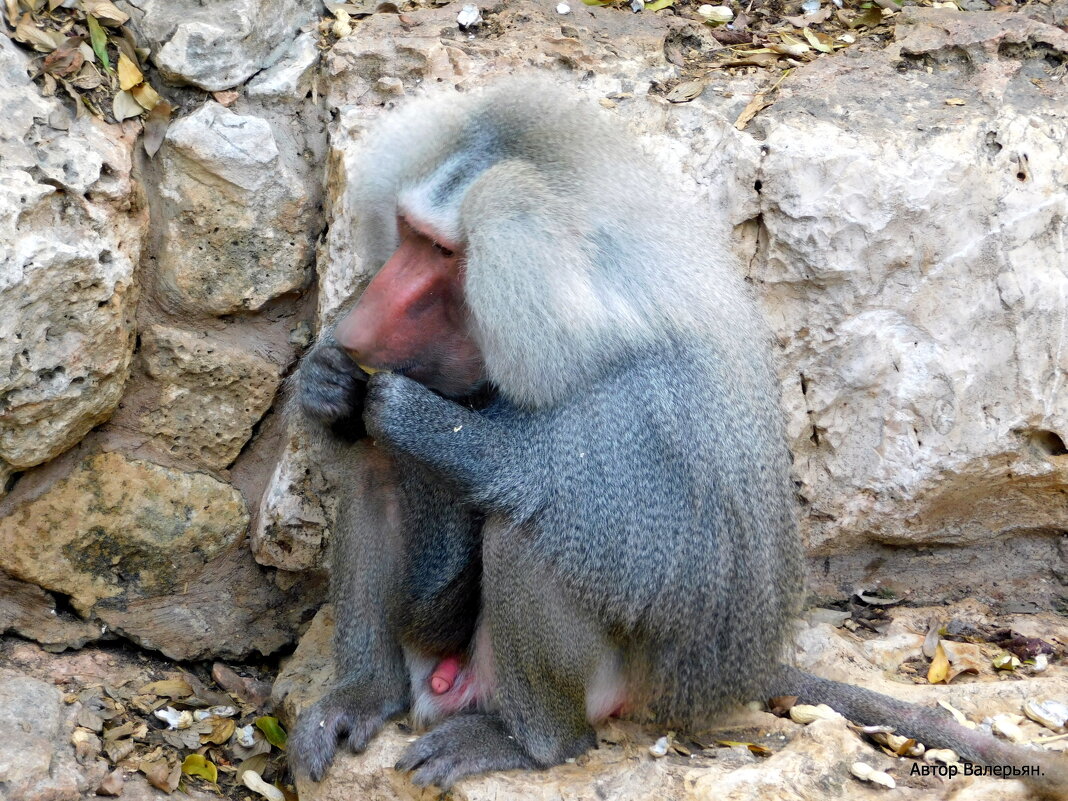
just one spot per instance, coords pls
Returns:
(199, 765)
(88, 78)
(815, 18)
(870, 18)
(939, 670)
(162, 775)
(954, 101)
(686, 91)
(105, 11)
(755, 748)
(147, 97)
(169, 688)
(222, 729)
(129, 73)
(789, 46)
(66, 59)
(816, 42)
(124, 106)
(28, 32)
(156, 123)
(754, 107)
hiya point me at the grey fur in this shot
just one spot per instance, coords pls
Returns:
(631, 465)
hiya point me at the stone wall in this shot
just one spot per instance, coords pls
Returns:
(910, 254)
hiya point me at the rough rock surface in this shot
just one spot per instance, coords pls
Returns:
(809, 762)
(28, 610)
(231, 609)
(72, 221)
(236, 229)
(37, 762)
(917, 282)
(210, 394)
(298, 508)
(217, 45)
(120, 527)
(290, 78)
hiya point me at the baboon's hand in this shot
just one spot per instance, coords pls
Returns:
(398, 409)
(463, 746)
(344, 712)
(332, 387)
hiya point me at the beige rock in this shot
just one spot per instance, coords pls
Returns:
(31, 612)
(309, 672)
(210, 394)
(236, 226)
(72, 221)
(120, 527)
(297, 510)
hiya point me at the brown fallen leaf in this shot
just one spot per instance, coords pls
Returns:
(752, 108)
(66, 59)
(222, 729)
(728, 36)
(29, 32)
(156, 123)
(780, 705)
(815, 18)
(171, 688)
(162, 775)
(759, 750)
(686, 91)
(88, 78)
(123, 106)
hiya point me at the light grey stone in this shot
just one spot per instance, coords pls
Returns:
(237, 227)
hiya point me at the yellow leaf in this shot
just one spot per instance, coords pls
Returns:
(198, 765)
(954, 101)
(146, 96)
(939, 670)
(129, 74)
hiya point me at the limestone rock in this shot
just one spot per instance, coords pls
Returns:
(218, 45)
(31, 612)
(290, 78)
(72, 222)
(119, 528)
(37, 762)
(913, 267)
(230, 609)
(237, 230)
(210, 394)
(309, 672)
(298, 508)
